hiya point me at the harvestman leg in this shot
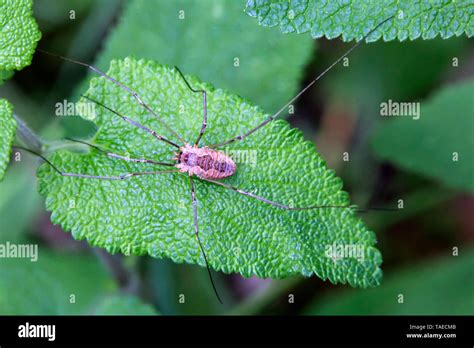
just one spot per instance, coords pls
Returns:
(121, 85)
(99, 177)
(124, 158)
(272, 117)
(118, 177)
(129, 175)
(196, 231)
(132, 122)
(204, 105)
(287, 207)
(265, 200)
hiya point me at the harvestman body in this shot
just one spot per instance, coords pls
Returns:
(206, 163)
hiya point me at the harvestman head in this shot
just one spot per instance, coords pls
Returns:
(205, 163)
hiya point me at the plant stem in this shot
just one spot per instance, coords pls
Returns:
(26, 136)
(57, 145)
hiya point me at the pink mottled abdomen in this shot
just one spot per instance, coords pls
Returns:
(205, 162)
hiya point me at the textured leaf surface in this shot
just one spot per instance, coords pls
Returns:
(153, 214)
(208, 48)
(19, 34)
(7, 134)
(124, 305)
(426, 145)
(444, 287)
(47, 284)
(353, 19)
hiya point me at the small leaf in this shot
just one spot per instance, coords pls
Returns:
(153, 214)
(55, 284)
(124, 305)
(439, 144)
(439, 287)
(226, 49)
(19, 34)
(7, 134)
(353, 19)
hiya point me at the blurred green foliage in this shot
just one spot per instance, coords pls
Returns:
(46, 286)
(53, 14)
(226, 50)
(438, 287)
(5, 75)
(376, 72)
(441, 145)
(18, 190)
(123, 305)
(397, 70)
(166, 280)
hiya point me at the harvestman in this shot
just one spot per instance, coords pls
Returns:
(206, 163)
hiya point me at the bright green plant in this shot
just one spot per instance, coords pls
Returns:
(352, 19)
(7, 134)
(239, 234)
(18, 39)
(19, 34)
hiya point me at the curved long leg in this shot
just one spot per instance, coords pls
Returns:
(99, 177)
(287, 207)
(204, 105)
(275, 115)
(117, 177)
(121, 85)
(196, 231)
(124, 158)
(132, 122)
(268, 201)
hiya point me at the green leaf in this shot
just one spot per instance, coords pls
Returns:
(47, 284)
(124, 305)
(270, 66)
(353, 19)
(7, 134)
(429, 146)
(440, 287)
(153, 214)
(19, 34)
